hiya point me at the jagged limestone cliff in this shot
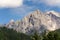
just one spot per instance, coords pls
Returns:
(38, 21)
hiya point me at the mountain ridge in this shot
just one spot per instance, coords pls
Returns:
(38, 21)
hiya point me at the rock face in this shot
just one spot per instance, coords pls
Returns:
(11, 24)
(37, 21)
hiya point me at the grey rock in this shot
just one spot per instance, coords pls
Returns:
(37, 21)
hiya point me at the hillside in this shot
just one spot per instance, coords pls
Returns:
(10, 34)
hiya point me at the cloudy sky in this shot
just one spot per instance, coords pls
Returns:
(17, 9)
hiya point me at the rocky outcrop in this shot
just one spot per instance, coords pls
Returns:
(37, 21)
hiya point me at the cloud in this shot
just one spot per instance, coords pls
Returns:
(34, 1)
(51, 2)
(11, 3)
(55, 3)
(22, 10)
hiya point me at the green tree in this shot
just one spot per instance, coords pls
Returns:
(54, 35)
(36, 36)
(10, 34)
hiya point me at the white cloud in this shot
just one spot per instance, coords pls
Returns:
(35, 1)
(51, 2)
(11, 3)
(47, 2)
(23, 9)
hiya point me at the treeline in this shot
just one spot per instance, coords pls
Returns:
(10, 34)
(54, 35)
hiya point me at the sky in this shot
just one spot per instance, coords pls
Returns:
(17, 9)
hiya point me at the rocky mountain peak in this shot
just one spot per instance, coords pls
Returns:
(53, 13)
(38, 21)
(35, 12)
(11, 20)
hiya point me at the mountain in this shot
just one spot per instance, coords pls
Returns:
(37, 21)
(54, 13)
(11, 24)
